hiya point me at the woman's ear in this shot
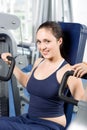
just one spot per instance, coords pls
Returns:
(60, 41)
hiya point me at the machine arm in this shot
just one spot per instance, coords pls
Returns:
(63, 86)
(10, 71)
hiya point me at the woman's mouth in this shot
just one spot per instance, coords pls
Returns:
(45, 52)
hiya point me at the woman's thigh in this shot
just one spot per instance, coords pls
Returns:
(25, 123)
(18, 126)
(16, 123)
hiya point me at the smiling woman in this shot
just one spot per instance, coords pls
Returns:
(51, 38)
(46, 109)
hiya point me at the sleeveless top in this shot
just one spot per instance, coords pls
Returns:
(44, 100)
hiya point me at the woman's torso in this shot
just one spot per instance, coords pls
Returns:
(48, 92)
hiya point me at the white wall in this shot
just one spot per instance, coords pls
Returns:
(79, 8)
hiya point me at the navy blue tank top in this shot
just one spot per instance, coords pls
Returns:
(44, 101)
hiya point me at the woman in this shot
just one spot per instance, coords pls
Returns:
(46, 110)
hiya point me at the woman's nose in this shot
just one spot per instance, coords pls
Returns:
(43, 46)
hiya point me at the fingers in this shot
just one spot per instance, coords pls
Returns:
(4, 57)
(79, 69)
(79, 72)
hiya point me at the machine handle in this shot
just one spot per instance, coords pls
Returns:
(10, 71)
(63, 86)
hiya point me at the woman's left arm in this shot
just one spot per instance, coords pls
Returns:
(76, 88)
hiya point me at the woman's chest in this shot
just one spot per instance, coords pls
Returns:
(46, 88)
(42, 73)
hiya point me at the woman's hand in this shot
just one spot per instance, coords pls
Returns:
(4, 57)
(80, 69)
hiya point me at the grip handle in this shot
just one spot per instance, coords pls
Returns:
(63, 86)
(10, 71)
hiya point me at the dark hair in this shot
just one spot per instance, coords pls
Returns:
(54, 27)
(56, 30)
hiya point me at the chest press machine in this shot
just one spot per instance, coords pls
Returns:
(12, 96)
(75, 36)
(80, 121)
(4, 108)
(7, 44)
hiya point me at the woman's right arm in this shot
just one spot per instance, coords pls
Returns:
(23, 77)
(20, 75)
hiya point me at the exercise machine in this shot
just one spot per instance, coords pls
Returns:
(75, 36)
(13, 91)
(80, 120)
(8, 22)
(4, 101)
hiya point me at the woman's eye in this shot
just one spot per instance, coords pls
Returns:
(47, 41)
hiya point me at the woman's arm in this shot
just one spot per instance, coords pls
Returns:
(20, 75)
(76, 88)
(23, 77)
(75, 84)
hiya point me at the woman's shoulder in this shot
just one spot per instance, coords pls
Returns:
(66, 67)
(38, 61)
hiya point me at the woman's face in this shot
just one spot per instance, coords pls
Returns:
(47, 44)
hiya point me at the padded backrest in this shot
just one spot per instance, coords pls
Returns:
(74, 41)
(75, 36)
